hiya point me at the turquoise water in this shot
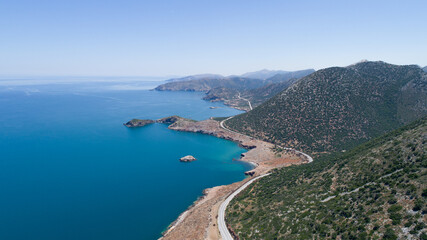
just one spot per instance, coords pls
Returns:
(69, 169)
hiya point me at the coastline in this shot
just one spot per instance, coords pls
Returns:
(199, 221)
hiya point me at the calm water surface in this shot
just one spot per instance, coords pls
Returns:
(69, 169)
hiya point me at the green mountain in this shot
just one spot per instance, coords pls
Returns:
(337, 108)
(375, 191)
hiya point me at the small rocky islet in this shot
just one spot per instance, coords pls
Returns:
(187, 158)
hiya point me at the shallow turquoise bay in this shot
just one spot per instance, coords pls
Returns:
(69, 169)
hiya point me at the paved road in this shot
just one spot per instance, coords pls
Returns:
(309, 158)
(249, 102)
(225, 234)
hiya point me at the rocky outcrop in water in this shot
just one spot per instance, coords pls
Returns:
(138, 122)
(187, 158)
(170, 120)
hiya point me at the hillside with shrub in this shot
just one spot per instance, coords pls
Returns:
(378, 190)
(338, 108)
(256, 87)
(239, 98)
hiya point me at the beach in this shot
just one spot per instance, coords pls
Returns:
(200, 220)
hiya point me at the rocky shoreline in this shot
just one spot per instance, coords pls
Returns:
(143, 122)
(200, 220)
(138, 122)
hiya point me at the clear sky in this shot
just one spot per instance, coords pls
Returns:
(158, 38)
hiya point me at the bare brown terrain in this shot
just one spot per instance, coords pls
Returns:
(200, 220)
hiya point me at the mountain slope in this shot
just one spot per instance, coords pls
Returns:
(266, 74)
(337, 108)
(206, 84)
(195, 77)
(376, 191)
(263, 74)
(425, 69)
(238, 98)
(262, 94)
(282, 77)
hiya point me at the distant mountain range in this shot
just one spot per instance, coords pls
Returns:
(265, 73)
(230, 89)
(195, 77)
(337, 108)
(261, 75)
(238, 98)
(206, 84)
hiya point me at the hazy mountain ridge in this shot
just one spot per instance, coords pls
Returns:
(263, 74)
(195, 77)
(266, 74)
(280, 77)
(232, 89)
(377, 190)
(255, 96)
(206, 82)
(337, 108)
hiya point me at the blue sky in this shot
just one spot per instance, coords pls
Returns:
(159, 38)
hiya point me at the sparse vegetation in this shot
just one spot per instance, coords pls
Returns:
(370, 192)
(338, 108)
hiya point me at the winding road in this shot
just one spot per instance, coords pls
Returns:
(309, 158)
(225, 234)
(249, 102)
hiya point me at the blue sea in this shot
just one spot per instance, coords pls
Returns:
(69, 169)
